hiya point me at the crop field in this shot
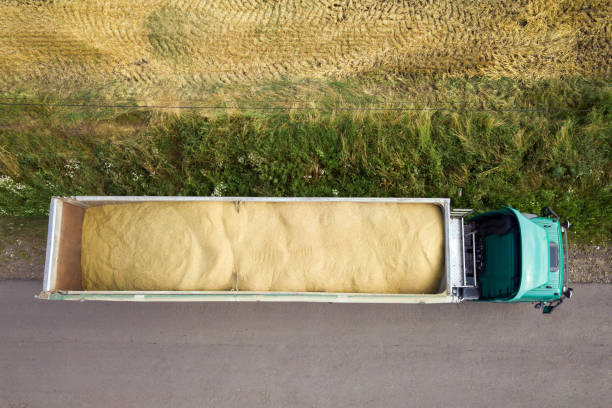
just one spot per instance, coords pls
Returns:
(184, 50)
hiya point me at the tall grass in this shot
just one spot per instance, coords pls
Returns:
(480, 159)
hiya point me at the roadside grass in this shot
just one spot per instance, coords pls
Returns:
(374, 89)
(558, 155)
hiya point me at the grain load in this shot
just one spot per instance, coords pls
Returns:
(269, 247)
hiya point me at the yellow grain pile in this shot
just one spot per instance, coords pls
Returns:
(278, 247)
(150, 46)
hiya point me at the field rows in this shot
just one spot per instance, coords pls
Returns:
(153, 46)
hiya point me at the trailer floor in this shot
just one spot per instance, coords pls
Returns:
(91, 354)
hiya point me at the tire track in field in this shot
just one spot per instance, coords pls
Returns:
(189, 43)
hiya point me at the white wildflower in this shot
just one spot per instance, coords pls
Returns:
(10, 184)
(71, 167)
(255, 159)
(108, 166)
(335, 192)
(219, 189)
(52, 187)
(5, 181)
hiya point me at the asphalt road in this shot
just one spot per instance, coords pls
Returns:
(303, 355)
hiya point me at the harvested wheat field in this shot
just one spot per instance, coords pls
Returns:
(178, 49)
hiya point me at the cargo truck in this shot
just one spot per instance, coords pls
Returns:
(496, 256)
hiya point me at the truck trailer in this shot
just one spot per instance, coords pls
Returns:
(351, 250)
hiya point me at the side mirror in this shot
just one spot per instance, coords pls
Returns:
(546, 211)
(548, 307)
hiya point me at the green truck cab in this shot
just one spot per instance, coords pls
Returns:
(520, 257)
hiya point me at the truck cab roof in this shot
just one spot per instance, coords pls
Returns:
(516, 255)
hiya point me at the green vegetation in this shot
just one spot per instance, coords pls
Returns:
(483, 159)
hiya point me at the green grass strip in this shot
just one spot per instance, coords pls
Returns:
(480, 159)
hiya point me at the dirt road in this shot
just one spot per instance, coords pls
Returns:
(303, 355)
